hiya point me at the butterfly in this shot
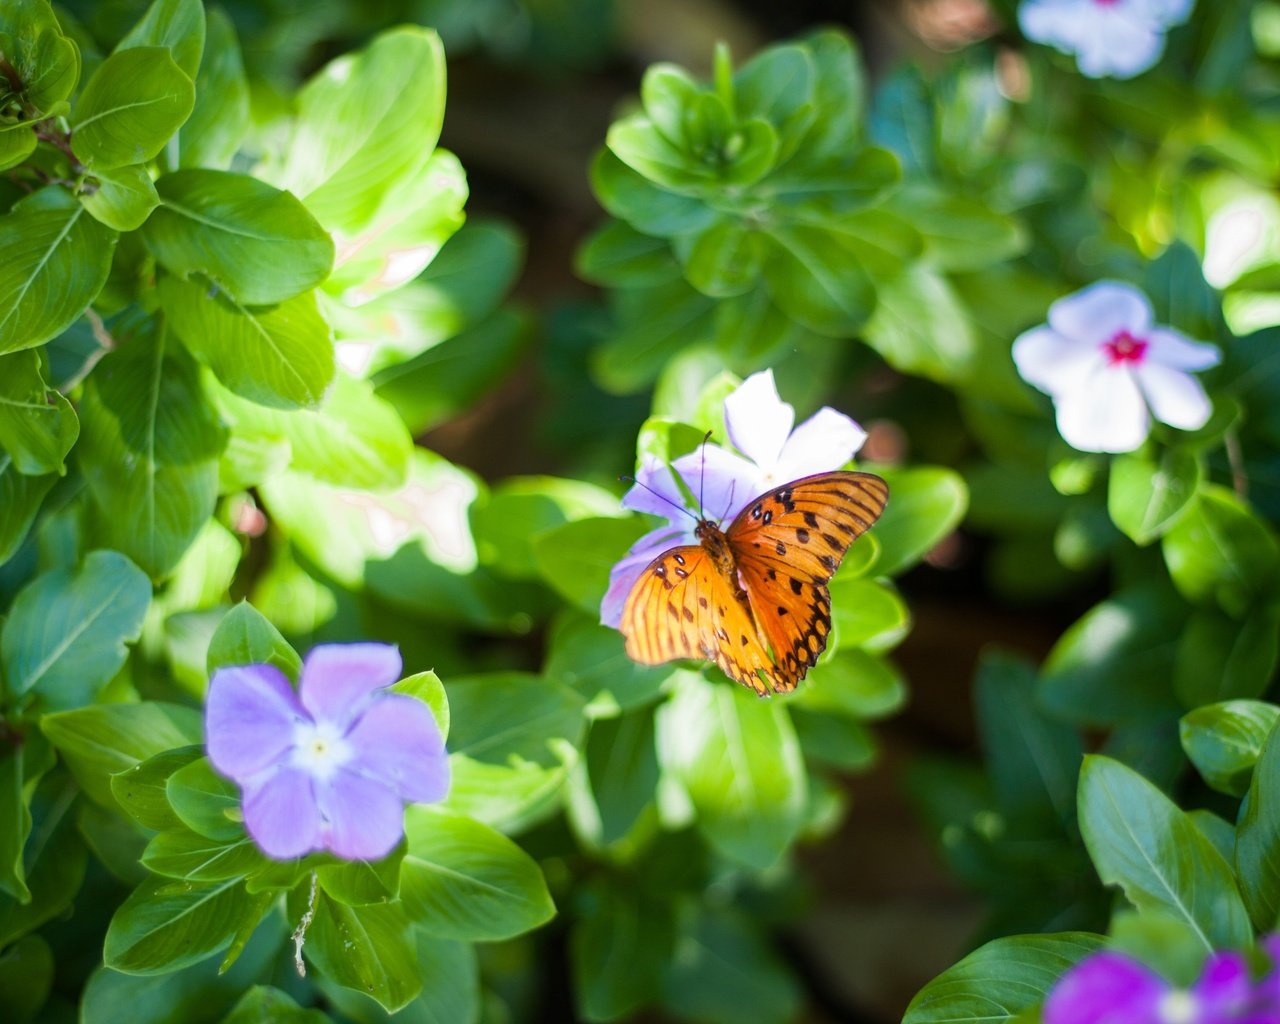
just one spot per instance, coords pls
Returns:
(753, 598)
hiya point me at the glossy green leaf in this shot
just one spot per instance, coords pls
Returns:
(220, 117)
(130, 107)
(205, 802)
(811, 276)
(140, 789)
(655, 324)
(1220, 657)
(123, 197)
(622, 773)
(1139, 840)
(451, 992)
(853, 683)
(37, 424)
(463, 880)
(67, 632)
(150, 449)
(506, 717)
(738, 759)
(20, 498)
(617, 255)
(53, 862)
(921, 327)
(187, 855)
(56, 261)
(620, 945)
(960, 232)
(22, 765)
(263, 1003)
(426, 687)
(257, 243)
(590, 658)
(867, 613)
(1225, 740)
(1146, 497)
(724, 260)
(175, 24)
(575, 558)
(26, 978)
(361, 882)
(925, 504)
(631, 197)
(280, 356)
(510, 797)
(370, 949)
(1257, 860)
(1001, 981)
(245, 637)
(46, 61)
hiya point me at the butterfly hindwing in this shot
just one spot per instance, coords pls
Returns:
(681, 607)
(788, 544)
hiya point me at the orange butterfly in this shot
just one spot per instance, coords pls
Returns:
(756, 588)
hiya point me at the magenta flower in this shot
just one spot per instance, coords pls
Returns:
(330, 766)
(1109, 369)
(760, 425)
(1112, 988)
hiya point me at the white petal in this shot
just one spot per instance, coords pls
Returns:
(655, 491)
(1175, 350)
(1164, 13)
(1176, 398)
(1100, 312)
(1057, 23)
(758, 420)
(1053, 362)
(1124, 44)
(722, 482)
(1107, 414)
(825, 441)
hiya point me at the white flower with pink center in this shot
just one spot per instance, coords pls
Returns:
(1109, 38)
(1109, 369)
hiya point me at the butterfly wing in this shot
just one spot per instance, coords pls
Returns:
(682, 607)
(788, 544)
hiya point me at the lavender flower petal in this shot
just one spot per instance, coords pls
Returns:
(363, 817)
(823, 442)
(397, 741)
(250, 714)
(758, 420)
(725, 482)
(338, 679)
(280, 814)
(651, 477)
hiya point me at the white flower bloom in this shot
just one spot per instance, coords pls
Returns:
(1109, 369)
(1109, 38)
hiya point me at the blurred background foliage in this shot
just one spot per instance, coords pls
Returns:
(656, 194)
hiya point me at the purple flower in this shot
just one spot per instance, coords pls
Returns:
(1112, 988)
(1104, 362)
(760, 426)
(1109, 38)
(330, 766)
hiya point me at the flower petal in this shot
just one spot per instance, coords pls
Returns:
(1122, 43)
(397, 741)
(337, 679)
(623, 576)
(655, 491)
(1164, 13)
(1174, 349)
(1057, 23)
(1176, 398)
(1107, 414)
(281, 815)
(1053, 362)
(758, 420)
(363, 817)
(1106, 988)
(724, 482)
(1224, 988)
(250, 714)
(1098, 313)
(825, 441)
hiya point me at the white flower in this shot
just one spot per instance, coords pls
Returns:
(1109, 38)
(1105, 363)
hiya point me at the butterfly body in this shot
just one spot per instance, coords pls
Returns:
(753, 598)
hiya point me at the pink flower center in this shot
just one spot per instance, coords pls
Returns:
(1124, 347)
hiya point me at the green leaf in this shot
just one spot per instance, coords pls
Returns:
(777, 85)
(451, 992)
(37, 424)
(257, 243)
(353, 439)
(575, 558)
(618, 256)
(245, 637)
(150, 449)
(361, 882)
(854, 684)
(1220, 657)
(164, 925)
(205, 802)
(510, 798)
(1145, 497)
(67, 632)
(619, 946)
(960, 233)
(47, 62)
(53, 862)
(218, 121)
(1257, 861)
(921, 327)
(426, 687)
(140, 789)
(20, 498)
(280, 355)
(369, 949)
(17, 143)
(622, 772)
(1000, 981)
(26, 978)
(925, 504)
(367, 124)
(23, 762)
(124, 197)
(724, 260)
(196, 858)
(175, 24)
(1220, 550)
(631, 197)
(655, 324)
(263, 1003)
(814, 277)
(463, 880)
(56, 261)
(738, 759)
(867, 613)
(723, 971)
(1116, 663)
(130, 108)
(590, 659)
(98, 741)
(1139, 840)
(512, 717)
(1225, 740)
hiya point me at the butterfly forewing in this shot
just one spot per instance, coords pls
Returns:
(788, 543)
(681, 607)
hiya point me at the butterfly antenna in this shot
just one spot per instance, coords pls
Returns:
(733, 486)
(661, 497)
(702, 478)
